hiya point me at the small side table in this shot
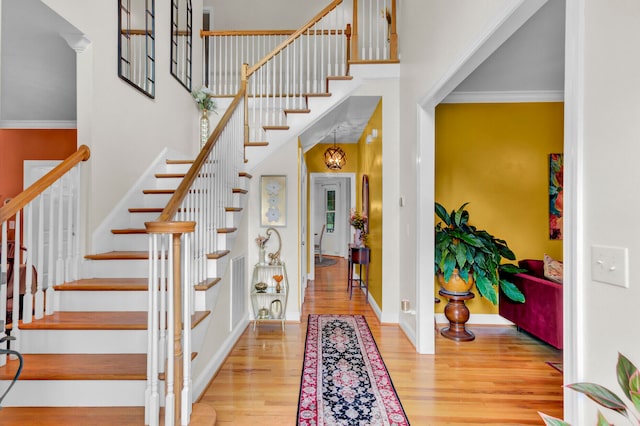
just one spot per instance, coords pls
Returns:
(458, 314)
(359, 256)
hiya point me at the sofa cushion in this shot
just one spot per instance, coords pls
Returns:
(552, 269)
(534, 266)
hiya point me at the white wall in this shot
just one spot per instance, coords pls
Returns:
(259, 15)
(435, 38)
(283, 162)
(125, 129)
(608, 198)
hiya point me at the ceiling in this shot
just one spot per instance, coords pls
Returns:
(532, 60)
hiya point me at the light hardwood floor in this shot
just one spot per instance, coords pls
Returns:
(501, 378)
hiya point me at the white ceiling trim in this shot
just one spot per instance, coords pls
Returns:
(38, 124)
(505, 97)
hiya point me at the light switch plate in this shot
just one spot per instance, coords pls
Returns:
(609, 265)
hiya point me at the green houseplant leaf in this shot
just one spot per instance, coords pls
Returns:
(474, 253)
(552, 421)
(600, 395)
(624, 370)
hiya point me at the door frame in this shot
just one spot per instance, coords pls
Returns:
(313, 177)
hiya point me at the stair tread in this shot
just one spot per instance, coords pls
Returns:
(179, 161)
(207, 284)
(340, 77)
(239, 191)
(227, 230)
(92, 320)
(78, 367)
(146, 210)
(119, 255)
(170, 175)
(105, 284)
(126, 231)
(158, 191)
(297, 111)
(233, 209)
(218, 254)
(245, 175)
(317, 95)
(275, 127)
(256, 143)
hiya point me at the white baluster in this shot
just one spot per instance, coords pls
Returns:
(3, 286)
(15, 332)
(169, 398)
(39, 299)
(27, 314)
(152, 398)
(50, 257)
(60, 233)
(187, 309)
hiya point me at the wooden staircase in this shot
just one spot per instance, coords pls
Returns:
(92, 351)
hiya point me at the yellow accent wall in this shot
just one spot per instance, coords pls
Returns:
(496, 157)
(371, 164)
(363, 158)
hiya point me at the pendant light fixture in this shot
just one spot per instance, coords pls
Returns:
(334, 157)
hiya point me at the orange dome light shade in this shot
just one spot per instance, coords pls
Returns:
(334, 157)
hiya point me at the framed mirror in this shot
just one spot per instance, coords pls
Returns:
(181, 41)
(365, 201)
(136, 44)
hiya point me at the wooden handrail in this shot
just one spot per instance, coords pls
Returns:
(18, 202)
(175, 202)
(294, 36)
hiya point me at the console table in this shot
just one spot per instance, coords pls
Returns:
(358, 256)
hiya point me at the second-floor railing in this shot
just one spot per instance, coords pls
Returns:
(40, 244)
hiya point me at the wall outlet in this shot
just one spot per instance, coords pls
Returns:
(609, 265)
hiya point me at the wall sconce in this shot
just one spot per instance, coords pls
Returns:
(373, 135)
(334, 157)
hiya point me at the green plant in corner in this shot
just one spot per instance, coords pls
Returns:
(629, 381)
(473, 253)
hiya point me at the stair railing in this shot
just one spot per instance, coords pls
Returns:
(374, 39)
(374, 31)
(298, 68)
(181, 241)
(47, 252)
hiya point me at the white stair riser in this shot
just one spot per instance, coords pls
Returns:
(101, 300)
(137, 220)
(83, 341)
(206, 300)
(75, 393)
(155, 200)
(117, 269)
(167, 183)
(130, 242)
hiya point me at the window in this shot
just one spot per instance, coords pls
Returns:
(330, 210)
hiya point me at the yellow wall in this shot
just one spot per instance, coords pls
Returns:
(496, 156)
(315, 158)
(371, 164)
(362, 158)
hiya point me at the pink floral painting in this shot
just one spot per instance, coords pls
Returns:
(555, 196)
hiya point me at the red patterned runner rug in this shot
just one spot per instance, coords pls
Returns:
(344, 379)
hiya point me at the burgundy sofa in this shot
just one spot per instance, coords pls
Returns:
(541, 313)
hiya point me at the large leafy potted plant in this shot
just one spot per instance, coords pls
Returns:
(462, 250)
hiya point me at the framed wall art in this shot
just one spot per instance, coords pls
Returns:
(555, 196)
(273, 200)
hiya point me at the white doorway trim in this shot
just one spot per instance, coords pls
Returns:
(512, 18)
(314, 177)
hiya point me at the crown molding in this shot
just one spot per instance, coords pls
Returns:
(505, 97)
(38, 124)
